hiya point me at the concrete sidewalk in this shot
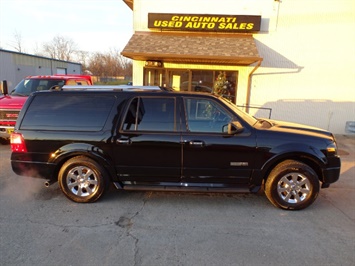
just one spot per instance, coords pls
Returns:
(340, 194)
(346, 145)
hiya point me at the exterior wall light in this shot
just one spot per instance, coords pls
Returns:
(153, 63)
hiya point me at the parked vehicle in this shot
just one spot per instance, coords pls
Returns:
(11, 103)
(155, 139)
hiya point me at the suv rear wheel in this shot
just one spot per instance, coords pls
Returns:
(82, 179)
(292, 185)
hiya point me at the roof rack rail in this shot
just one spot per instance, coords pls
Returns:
(112, 87)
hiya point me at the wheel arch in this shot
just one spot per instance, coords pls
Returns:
(307, 153)
(63, 154)
(311, 160)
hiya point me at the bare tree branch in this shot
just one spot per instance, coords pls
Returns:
(17, 43)
(61, 48)
(111, 64)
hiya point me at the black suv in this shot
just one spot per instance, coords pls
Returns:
(155, 139)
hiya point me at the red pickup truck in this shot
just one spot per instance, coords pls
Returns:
(11, 103)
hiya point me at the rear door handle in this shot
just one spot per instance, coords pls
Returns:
(198, 143)
(124, 141)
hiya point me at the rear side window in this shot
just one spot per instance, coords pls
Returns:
(68, 112)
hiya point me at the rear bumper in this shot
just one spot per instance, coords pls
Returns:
(33, 169)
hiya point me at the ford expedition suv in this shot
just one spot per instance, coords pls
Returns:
(156, 139)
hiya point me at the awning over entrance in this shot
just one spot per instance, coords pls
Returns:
(192, 48)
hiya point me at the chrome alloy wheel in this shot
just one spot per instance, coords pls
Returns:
(294, 187)
(82, 181)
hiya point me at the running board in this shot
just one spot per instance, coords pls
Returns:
(186, 189)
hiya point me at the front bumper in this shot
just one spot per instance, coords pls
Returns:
(331, 174)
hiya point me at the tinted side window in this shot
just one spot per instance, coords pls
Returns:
(68, 112)
(204, 115)
(151, 114)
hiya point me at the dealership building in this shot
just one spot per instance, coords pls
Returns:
(288, 60)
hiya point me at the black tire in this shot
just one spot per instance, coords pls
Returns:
(292, 185)
(82, 179)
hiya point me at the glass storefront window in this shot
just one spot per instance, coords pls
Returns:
(208, 81)
(154, 77)
(179, 79)
(202, 80)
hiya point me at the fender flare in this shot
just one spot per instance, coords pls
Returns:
(64, 153)
(291, 151)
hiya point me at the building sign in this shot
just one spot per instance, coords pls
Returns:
(196, 22)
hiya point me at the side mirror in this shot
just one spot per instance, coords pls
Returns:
(234, 128)
(4, 89)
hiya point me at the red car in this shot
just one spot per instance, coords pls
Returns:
(11, 104)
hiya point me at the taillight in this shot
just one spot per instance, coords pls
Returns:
(17, 143)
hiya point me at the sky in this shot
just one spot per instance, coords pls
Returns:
(93, 25)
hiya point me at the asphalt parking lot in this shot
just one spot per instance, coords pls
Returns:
(39, 226)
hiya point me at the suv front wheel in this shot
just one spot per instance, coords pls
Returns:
(82, 179)
(292, 185)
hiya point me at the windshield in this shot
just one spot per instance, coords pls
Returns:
(245, 116)
(27, 86)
